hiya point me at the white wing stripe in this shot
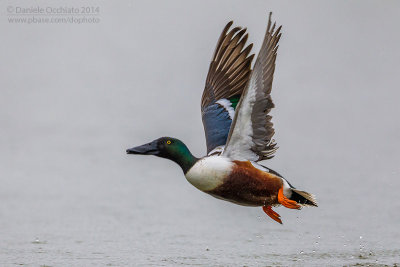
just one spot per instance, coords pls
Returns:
(228, 106)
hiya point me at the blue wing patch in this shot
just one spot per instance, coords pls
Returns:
(216, 122)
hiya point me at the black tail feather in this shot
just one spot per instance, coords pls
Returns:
(303, 198)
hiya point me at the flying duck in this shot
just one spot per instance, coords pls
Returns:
(235, 108)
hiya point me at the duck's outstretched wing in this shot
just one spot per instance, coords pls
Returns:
(250, 136)
(227, 77)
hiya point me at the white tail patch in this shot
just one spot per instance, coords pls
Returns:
(287, 190)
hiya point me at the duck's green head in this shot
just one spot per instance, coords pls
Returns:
(167, 147)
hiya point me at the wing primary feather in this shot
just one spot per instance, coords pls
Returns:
(221, 38)
(225, 43)
(231, 48)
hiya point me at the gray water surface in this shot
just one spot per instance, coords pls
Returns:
(75, 96)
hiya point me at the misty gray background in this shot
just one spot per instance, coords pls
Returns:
(75, 96)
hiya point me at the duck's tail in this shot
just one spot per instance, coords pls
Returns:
(292, 198)
(303, 198)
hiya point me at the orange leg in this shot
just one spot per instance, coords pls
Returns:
(290, 204)
(275, 216)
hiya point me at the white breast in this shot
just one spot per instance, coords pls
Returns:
(209, 172)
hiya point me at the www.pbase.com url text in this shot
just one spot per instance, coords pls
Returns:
(54, 20)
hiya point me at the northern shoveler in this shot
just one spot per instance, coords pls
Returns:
(235, 105)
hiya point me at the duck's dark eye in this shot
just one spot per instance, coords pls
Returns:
(168, 142)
